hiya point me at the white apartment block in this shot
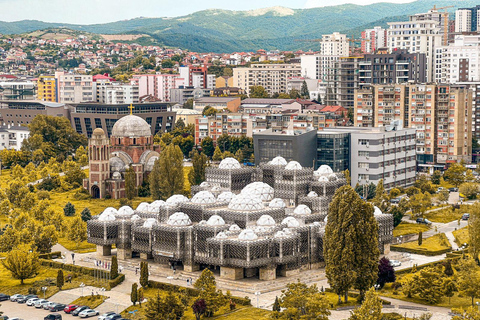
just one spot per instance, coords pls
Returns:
(11, 137)
(116, 93)
(75, 88)
(310, 66)
(463, 20)
(334, 44)
(273, 77)
(157, 85)
(373, 39)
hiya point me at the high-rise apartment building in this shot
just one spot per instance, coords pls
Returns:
(197, 77)
(117, 93)
(273, 77)
(373, 39)
(47, 88)
(75, 88)
(157, 85)
(441, 115)
(467, 19)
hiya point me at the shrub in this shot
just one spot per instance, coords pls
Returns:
(69, 210)
(49, 183)
(43, 195)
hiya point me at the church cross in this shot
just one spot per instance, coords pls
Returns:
(131, 107)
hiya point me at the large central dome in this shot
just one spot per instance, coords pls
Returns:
(131, 127)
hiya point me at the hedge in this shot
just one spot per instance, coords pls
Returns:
(83, 270)
(51, 255)
(355, 295)
(420, 267)
(419, 251)
(192, 292)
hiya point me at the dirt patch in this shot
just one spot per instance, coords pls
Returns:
(122, 37)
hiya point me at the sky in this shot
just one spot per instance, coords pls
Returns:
(101, 11)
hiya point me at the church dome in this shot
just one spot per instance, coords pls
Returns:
(131, 126)
(98, 132)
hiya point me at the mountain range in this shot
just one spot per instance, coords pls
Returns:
(216, 30)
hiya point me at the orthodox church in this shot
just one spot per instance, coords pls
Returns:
(130, 146)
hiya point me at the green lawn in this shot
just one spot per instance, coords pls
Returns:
(90, 301)
(447, 214)
(83, 247)
(433, 243)
(461, 236)
(405, 228)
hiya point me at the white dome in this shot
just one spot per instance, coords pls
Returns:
(216, 189)
(278, 161)
(150, 222)
(312, 194)
(377, 211)
(287, 231)
(247, 234)
(302, 209)
(203, 197)
(110, 210)
(125, 211)
(323, 179)
(156, 205)
(221, 235)
(234, 227)
(225, 196)
(265, 221)
(291, 222)
(332, 177)
(277, 203)
(246, 202)
(179, 219)
(280, 234)
(261, 189)
(117, 175)
(326, 219)
(324, 170)
(205, 184)
(229, 163)
(176, 199)
(215, 221)
(106, 216)
(135, 217)
(259, 229)
(143, 207)
(131, 126)
(293, 165)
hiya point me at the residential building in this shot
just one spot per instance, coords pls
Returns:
(75, 88)
(373, 39)
(467, 19)
(182, 94)
(11, 137)
(233, 124)
(219, 103)
(47, 88)
(188, 116)
(273, 77)
(17, 90)
(198, 77)
(297, 83)
(117, 93)
(224, 81)
(158, 85)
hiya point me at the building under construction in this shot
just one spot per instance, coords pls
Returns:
(265, 222)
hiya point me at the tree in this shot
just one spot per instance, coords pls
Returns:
(419, 203)
(86, 215)
(276, 305)
(166, 178)
(60, 280)
(448, 270)
(302, 302)
(207, 286)
(134, 293)
(209, 111)
(199, 307)
(455, 174)
(420, 238)
(474, 231)
(472, 313)
(74, 176)
(130, 183)
(69, 210)
(207, 146)
(469, 189)
(449, 288)
(188, 104)
(77, 230)
(304, 91)
(153, 309)
(468, 278)
(397, 215)
(386, 273)
(423, 184)
(371, 308)
(294, 94)
(217, 154)
(199, 164)
(144, 274)
(258, 92)
(168, 307)
(140, 296)
(22, 263)
(437, 174)
(443, 195)
(114, 268)
(428, 285)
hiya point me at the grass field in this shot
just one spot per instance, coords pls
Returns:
(83, 247)
(405, 228)
(90, 301)
(461, 236)
(447, 214)
(433, 243)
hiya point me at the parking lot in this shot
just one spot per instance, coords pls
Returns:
(13, 309)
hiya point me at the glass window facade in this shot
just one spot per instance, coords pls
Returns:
(333, 150)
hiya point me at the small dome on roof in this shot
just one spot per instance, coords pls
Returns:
(135, 217)
(291, 222)
(377, 211)
(234, 227)
(293, 165)
(225, 196)
(143, 207)
(176, 199)
(278, 161)
(265, 221)
(156, 205)
(131, 126)
(261, 189)
(106, 216)
(150, 222)
(216, 221)
(277, 203)
(216, 189)
(323, 170)
(203, 197)
(323, 179)
(125, 211)
(302, 209)
(111, 210)
(280, 234)
(117, 175)
(179, 219)
(246, 202)
(98, 132)
(229, 163)
(205, 184)
(247, 234)
(312, 194)
(221, 235)
(332, 177)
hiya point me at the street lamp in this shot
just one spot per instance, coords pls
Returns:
(82, 285)
(257, 293)
(44, 289)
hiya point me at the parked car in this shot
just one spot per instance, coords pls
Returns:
(15, 319)
(453, 189)
(70, 308)
(24, 299)
(31, 302)
(53, 316)
(78, 310)
(395, 200)
(466, 216)
(4, 297)
(15, 297)
(395, 263)
(57, 307)
(440, 189)
(424, 221)
(48, 305)
(4, 318)
(39, 304)
(105, 315)
(87, 313)
(114, 316)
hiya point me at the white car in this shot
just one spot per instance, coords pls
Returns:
(88, 313)
(39, 303)
(15, 297)
(31, 302)
(105, 315)
(395, 263)
(47, 306)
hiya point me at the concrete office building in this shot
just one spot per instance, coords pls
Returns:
(17, 90)
(22, 112)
